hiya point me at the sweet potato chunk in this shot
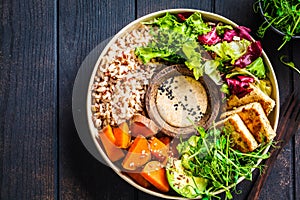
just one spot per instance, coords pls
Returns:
(138, 178)
(156, 175)
(112, 151)
(138, 154)
(141, 125)
(109, 134)
(122, 135)
(158, 149)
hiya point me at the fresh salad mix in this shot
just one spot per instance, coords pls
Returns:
(226, 54)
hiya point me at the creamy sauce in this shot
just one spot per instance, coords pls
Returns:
(181, 98)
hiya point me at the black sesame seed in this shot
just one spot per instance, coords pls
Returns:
(191, 90)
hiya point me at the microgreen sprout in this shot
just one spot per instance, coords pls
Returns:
(284, 15)
(210, 155)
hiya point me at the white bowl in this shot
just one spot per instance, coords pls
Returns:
(88, 137)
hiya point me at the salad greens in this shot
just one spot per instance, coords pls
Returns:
(209, 48)
(175, 42)
(210, 155)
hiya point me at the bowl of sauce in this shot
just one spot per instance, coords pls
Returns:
(176, 101)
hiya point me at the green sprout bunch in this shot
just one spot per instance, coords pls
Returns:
(284, 15)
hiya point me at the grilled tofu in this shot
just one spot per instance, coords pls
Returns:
(256, 95)
(255, 119)
(242, 139)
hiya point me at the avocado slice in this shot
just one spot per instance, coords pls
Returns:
(183, 183)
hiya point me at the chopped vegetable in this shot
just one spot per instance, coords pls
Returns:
(122, 135)
(183, 182)
(209, 38)
(240, 32)
(137, 177)
(239, 85)
(113, 152)
(138, 154)
(141, 125)
(155, 173)
(257, 68)
(253, 52)
(108, 132)
(158, 149)
(229, 51)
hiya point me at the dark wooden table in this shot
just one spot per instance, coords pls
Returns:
(42, 45)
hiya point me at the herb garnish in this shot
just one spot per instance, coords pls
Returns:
(210, 155)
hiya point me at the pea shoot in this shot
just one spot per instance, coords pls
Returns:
(284, 15)
(210, 155)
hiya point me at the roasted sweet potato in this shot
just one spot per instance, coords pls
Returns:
(138, 154)
(158, 149)
(141, 125)
(122, 135)
(138, 178)
(166, 140)
(156, 175)
(112, 151)
(107, 130)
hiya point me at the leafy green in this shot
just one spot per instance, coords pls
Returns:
(222, 28)
(257, 68)
(176, 42)
(265, 86)
(196, 25)
(211, 156)
(229, 51)
(146, 54)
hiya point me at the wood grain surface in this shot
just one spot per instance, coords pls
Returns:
(42, 46)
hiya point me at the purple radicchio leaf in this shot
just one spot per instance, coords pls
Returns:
(239, 85)
(210, 38)
(240, 31)
(253, 52)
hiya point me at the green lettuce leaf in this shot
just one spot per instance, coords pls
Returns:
(229, 51)
(257, 68)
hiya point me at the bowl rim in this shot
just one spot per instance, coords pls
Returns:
(272, 27)
(93, 131)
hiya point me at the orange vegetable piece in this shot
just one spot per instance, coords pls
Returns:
(156, 175)
(158, 149)
(107, 130)
(138, 128)
(165, 139)
(138, 154)
(112, 151)
(122, 135)
(138, 178)
(141, 125)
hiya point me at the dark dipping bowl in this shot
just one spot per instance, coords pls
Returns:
(214, 101)
(261, 9)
